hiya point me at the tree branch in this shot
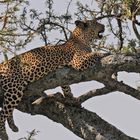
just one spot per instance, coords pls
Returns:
(120, 86)
(82, 122)
(120, 33)
(135, 30)
(93, 93)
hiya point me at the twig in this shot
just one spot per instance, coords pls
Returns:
(111, 28)
(120, 33)
(48, 23)
(134, 22)
(5, 18)
(67, 10)
(108, 16)
(135, 29)
(12, 34)
(62, 27)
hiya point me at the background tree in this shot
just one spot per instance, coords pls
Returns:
(20, 25)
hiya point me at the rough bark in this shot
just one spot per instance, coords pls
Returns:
(68, 111)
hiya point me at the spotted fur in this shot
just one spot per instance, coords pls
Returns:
(28, 67)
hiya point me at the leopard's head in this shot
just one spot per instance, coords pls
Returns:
(88, 30)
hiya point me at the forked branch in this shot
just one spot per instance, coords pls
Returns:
(68, 112)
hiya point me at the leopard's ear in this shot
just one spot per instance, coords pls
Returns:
(80, 24)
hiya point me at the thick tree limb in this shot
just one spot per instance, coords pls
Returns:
(82, 122)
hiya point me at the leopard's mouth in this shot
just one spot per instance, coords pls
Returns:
(100, 33)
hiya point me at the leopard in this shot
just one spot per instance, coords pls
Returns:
(17, 72)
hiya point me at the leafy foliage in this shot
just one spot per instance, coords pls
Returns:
(19, 23)
(11, 36)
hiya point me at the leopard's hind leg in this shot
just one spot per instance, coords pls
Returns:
(11, 123)
(3, 134)
(11, 100)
